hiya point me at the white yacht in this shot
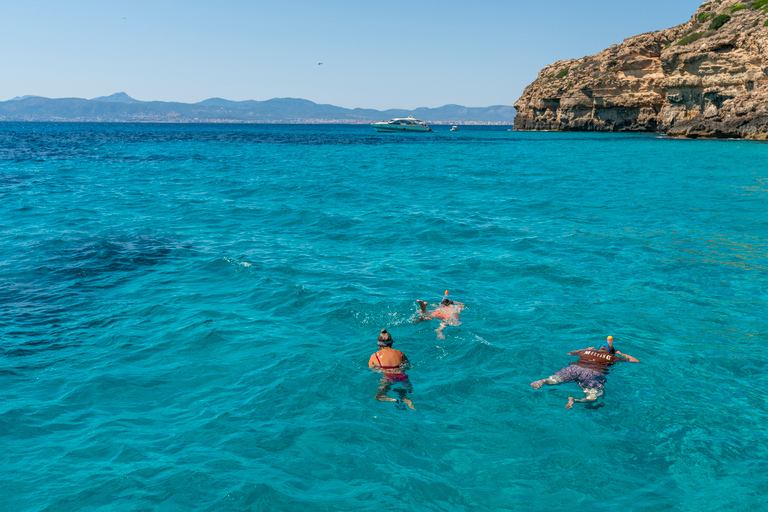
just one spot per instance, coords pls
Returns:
(402, 124)
(454, 128)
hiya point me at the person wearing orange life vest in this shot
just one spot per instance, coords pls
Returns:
(391, 364)
(589, 371)
(447, 312)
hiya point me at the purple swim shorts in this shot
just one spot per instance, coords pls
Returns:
(586, 378)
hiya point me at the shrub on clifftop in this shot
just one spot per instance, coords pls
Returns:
(719, 21)
(690, 38)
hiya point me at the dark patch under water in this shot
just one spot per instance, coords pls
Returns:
(187, 312)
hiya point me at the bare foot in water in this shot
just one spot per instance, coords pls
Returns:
(569, 405)
(537, 384)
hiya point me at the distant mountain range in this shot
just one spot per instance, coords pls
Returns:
(120, 107)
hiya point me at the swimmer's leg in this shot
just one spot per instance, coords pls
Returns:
(407, 401)
(591, 396)
(439, 331)
(422, 312)
(550, 381)
(381, 394)
(409, 389)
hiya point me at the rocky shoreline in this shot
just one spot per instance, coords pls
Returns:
(705, 78)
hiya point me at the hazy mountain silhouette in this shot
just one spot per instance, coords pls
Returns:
(118, 97)
(120, 107)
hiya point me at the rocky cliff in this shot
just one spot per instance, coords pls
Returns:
(705, 78)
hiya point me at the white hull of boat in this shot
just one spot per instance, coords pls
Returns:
(401, 124)
(383, 127)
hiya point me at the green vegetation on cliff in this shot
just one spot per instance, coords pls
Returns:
(690, 38)
(664, 81)
(719, 21)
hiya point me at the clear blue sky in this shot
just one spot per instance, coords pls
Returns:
(376, 53)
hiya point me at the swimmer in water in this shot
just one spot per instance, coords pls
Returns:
(391, 364)
(589, 371)
(447, 312)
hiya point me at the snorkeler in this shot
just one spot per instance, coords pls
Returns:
(589, 371)
(391, 363)
(447, 312)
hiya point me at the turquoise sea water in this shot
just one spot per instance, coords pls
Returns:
(187, 312)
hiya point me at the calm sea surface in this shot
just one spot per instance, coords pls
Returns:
(187, 312)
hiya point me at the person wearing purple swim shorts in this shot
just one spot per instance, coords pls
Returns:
(588, 372)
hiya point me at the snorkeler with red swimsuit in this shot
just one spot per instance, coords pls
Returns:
(392, 364)
(447, 312)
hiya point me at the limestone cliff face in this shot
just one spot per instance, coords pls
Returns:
(705, 78)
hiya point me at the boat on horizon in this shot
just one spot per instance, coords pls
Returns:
(454, 128)
(402, 124)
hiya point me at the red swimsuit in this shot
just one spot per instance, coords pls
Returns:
(391, 376)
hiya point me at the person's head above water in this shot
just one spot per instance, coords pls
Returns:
(385, 338)
(446, 302)
(605, 347)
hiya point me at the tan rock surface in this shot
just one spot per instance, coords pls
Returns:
(714, 86)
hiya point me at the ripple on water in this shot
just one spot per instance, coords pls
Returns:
(187, 312)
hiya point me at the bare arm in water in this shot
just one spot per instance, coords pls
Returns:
(629, 357)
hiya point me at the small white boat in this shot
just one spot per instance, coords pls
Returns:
(454, 128)
(402, 124)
